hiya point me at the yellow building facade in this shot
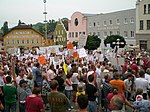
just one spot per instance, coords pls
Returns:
(23, 37)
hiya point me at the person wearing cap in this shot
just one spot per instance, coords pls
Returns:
(23, 92)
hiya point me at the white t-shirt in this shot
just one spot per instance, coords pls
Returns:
(74, 78)
(141, 83)
(128, 83)
(147, 77)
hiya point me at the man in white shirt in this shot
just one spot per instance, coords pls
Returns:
(147, 76)
(142, 83)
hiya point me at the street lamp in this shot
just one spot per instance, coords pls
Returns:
(45, 21)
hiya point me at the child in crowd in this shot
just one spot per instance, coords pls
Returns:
(80, 91)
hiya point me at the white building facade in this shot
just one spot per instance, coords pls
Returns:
(143, 24)
(121, 23)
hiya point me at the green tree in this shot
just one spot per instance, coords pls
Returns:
(93, 42)
(5, 27)
(65, 22)
(75, 43)
(51, 25)
(113, 38)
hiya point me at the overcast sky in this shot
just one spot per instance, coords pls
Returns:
(31, 11)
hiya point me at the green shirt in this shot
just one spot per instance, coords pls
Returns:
(10, 93)
(58, 102)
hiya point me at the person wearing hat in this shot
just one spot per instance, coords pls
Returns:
(23, 92)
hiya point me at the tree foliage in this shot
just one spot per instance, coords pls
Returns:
(65, 22)
(75, 43)
(113, 38)
(5, 27)
(93, 42)
(51, 24)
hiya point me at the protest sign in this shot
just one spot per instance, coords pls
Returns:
(81, 52)
(82, 40)
(42, 60)
(69, 46)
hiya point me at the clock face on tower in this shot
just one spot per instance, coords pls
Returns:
(76, 22)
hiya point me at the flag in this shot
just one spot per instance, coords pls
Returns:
(65, 68)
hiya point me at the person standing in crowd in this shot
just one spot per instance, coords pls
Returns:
(23, 92)
(38, 76)
(135, 67)
(128, 82)
(82, 101)
(21, 75)
(68, 86)
(142, 83)
(147, 76)
(58, 101)
(92, 93)
(34, 102)
(116, 81)
(10, 93)
(140, 104)
(34, 71)
(106, 89)
(75, 80)
(116, 103)
(45, 90)
(60, 80)
(116, 92)
(50, 72)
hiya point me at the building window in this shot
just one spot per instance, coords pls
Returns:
(125, 21)
(79, 33)
(98, 23)
(118, 32)
(90, 24)
(13, 42)
(143, 44)
(62, 32)
(111, 33)
(118, 22)
(110, 22)
(125, 34)
(132, 33)
(98, 33)
(72, 34)
(32, 41)
(37, 41)
(27, 41)
(148, 8)
(22, 41)
(132, 20)
(17, 41)
(76, 34)
(84, 33)
(8, 42)
(141, 24)
(105, 34)
(94, 24)
(76, 22)
(59, 32)
(148, 24)
(144, 9)
(105, 23)
(94, 33)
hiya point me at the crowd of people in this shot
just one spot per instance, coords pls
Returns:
(86, 84)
